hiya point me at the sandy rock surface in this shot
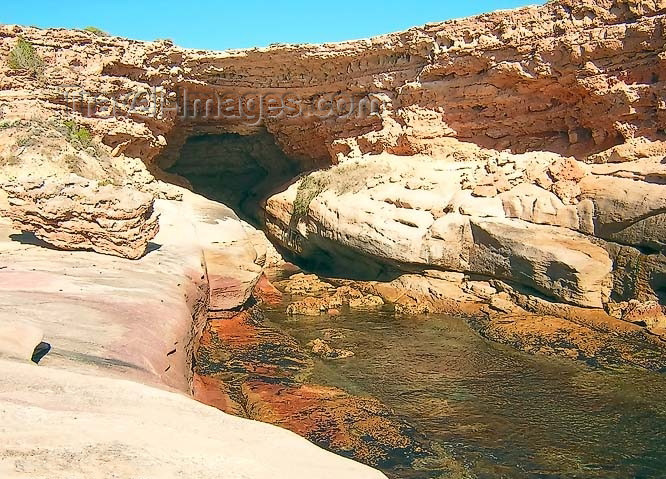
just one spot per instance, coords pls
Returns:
(65, 425)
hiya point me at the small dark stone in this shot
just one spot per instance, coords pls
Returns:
(40, 351)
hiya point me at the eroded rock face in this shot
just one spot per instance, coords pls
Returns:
(313, 297)
(560, 263)
(514, 115)
(579, 234)
(76, 214)
(313, 306)
(574, 77)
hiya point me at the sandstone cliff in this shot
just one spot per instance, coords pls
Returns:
(570, 77)
(515, 159)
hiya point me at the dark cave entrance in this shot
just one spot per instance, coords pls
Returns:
(240, 171)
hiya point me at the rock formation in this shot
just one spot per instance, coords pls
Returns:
(113, 398)
(325, 351)
(526, 146)
(312, 296)
(77, 215)
(100, 427)
(509, 166)
(575, 78)
(525, 234)
(572, 77)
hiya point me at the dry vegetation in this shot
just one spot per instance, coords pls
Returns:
(346, 178)
(24, 58)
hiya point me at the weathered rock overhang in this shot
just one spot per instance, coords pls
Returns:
(569, 77)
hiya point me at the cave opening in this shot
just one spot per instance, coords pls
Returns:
(238, 170)
(241, 171)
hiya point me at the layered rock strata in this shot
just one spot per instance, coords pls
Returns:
(75, 214)
(572, 77)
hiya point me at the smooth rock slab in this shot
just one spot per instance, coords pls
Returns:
(58, 424)
(627, 211)
(555, 261)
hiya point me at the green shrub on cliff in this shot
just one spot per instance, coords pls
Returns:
(309, 188)
(24, 57)
(80, 137)
(83, 137)
(8, 124)
(25, 141)
(96, 31)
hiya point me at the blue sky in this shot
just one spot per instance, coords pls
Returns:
(220, 25)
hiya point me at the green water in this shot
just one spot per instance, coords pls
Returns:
(501, 413)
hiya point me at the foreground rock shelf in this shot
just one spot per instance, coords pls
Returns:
(82, 425)
(112, 395)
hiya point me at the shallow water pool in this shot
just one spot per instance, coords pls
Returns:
(501, 413)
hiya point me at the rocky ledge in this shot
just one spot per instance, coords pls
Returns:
(113, 395)
(633, 333)
(75, 214)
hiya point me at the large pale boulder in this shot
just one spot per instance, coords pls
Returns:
(232, 263)
(77, 214)
(231, 278)
(557, 262)
(627, 211)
